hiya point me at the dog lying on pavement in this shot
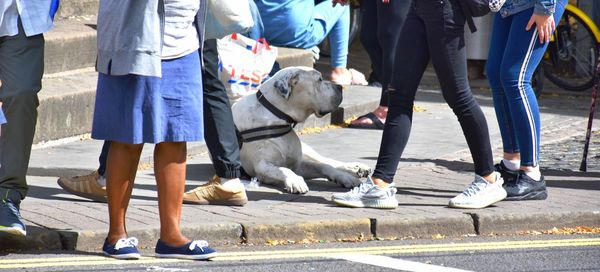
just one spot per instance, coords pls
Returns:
(271, 150)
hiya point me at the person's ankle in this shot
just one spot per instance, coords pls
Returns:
(381, 112)
(491, 178)
(230, 183)
(380, 183)
(113, 238)
(174, 240)
(534, 174)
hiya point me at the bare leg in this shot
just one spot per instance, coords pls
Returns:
(380, 183)
(121, 168)
(512, 156)
(169, 168)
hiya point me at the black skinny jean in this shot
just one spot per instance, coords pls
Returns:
(380, 29)
(219, 130)
(433, 30)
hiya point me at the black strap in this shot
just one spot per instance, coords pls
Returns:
(274, 110)
(265, 132)
(468, 15)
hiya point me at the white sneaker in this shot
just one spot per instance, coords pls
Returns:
(479, 194)
(368, 195)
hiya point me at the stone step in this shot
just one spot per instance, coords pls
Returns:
(66, 105)
(70, 45)
(70, 9)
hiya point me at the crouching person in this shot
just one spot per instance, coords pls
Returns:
(149, 91)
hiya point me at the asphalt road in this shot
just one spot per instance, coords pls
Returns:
(516, 253)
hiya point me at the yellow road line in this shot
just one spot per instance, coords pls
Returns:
(307, 253)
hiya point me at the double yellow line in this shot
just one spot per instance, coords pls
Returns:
(306, 253)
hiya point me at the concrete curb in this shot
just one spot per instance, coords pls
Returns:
(486, 224)
(327, 230)
(388, 228)
(355, 229)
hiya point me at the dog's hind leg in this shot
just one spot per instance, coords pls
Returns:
(357, 169)
(311, 170)
(272, 174)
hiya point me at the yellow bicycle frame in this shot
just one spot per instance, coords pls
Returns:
(586, 20)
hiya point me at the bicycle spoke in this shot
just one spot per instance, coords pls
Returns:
(587, 68)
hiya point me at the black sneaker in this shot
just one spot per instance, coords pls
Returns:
(10, 218)
(509, 176)
(526, 188)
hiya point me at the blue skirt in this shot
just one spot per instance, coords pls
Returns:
(138, 109)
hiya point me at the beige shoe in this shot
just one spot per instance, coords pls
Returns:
(84, 186)
(213, 193)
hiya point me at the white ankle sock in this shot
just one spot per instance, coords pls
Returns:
(512, 164)
(535, 175)
(230, 183)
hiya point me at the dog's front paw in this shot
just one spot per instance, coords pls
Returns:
(296, 185)
(357, 169)
(347, 180)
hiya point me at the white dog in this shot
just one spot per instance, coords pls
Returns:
(271, 150)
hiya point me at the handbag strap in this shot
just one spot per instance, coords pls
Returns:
(261, 41)
(468, 15)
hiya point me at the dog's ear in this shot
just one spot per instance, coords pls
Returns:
(286, 84)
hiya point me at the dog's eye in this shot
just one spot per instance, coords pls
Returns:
(320, 79)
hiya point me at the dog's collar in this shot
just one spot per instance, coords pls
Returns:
(267, 132)
(274, 110)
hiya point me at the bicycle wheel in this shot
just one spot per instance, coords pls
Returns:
(570, 60)
(537, 81)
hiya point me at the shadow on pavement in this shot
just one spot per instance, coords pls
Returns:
(257, 195)
(411, 191)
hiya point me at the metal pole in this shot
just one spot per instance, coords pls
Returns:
(588, 134)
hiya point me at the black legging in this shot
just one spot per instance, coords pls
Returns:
(434, 29)
(380, 30)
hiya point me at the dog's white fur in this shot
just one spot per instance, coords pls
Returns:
(299, 92)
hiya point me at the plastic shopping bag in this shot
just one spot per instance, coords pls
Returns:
(244, 64)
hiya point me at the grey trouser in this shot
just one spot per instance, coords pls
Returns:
(21, 69)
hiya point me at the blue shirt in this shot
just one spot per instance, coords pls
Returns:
(287, 22)
(36, 16)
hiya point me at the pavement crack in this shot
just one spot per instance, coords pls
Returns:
(373, 224)
(476, 222)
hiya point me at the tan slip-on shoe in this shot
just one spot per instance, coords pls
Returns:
(85, 186)
(213, 193)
